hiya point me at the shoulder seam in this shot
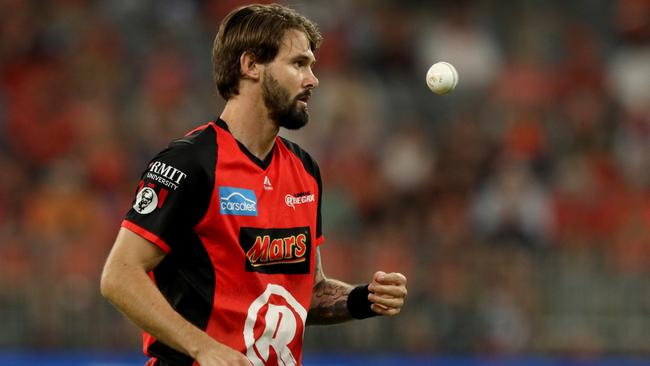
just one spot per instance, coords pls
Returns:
(303, 155)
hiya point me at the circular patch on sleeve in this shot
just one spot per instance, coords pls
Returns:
(145, 201)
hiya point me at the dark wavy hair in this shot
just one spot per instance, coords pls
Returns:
(257, 29)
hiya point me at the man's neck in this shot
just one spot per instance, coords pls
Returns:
(249, 123)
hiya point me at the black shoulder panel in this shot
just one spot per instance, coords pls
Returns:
(309, 163)
(186, 276)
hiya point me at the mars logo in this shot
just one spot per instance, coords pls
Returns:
(278, 319)
(276, 250)
(145, 201)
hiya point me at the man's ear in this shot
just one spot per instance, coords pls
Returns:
(248, 67)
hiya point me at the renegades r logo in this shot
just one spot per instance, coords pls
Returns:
(285, 251)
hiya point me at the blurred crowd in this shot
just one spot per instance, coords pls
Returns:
(518, 206)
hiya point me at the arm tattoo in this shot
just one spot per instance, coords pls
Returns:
(329, 303)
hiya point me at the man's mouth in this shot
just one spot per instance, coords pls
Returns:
(304, 98)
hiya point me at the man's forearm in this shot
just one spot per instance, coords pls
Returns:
(329, 303)
(132, 292)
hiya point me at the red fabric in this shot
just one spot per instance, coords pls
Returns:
(237, 289)
(253, 298)
(147, 235)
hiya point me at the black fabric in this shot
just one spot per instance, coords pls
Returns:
(168, 356)
(358, 303)
(186, 278)
(182, 176)
(186, 275)
(160, 362)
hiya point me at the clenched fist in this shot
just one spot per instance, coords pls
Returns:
(387, 293)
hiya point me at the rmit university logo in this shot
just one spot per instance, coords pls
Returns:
(237, 201)
(284, 251)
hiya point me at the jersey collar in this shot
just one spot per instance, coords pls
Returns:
(263, 164)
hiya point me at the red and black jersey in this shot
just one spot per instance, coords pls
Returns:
(240, 236)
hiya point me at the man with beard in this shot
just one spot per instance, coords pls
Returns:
(226, 269)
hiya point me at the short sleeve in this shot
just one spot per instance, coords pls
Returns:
(173, 193)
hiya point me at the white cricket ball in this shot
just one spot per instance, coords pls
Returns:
(442, 77)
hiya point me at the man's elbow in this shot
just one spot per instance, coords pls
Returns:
(109, 283)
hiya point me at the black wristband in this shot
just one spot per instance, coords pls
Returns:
(358, 303)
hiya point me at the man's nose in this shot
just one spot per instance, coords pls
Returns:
(311, 81)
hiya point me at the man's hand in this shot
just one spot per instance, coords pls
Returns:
(387, 293)
(217, 354)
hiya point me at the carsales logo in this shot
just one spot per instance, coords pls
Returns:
(298, 199)
(282, 323)
(237, 201)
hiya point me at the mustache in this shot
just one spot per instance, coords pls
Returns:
(306, 93)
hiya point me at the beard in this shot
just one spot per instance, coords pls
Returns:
(283, 109)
